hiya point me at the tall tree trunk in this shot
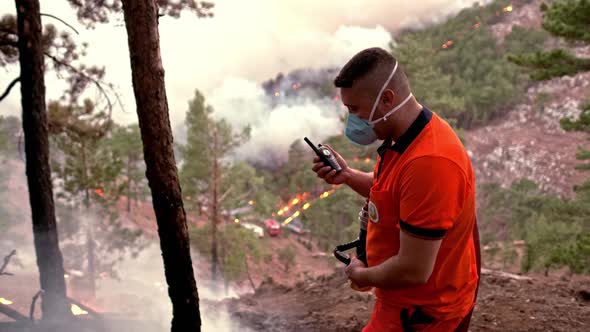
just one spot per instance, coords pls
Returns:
(49, 259)
(214, 206)
(141, 21)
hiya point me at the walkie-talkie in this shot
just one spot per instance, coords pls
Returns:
(326, 156)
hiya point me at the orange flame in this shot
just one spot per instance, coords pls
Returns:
(99, 192)
(78, 311)
(5, 301)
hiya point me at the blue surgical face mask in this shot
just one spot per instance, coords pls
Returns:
(361, 131)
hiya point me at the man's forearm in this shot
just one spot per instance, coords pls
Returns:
(391, 274)
(361, 182)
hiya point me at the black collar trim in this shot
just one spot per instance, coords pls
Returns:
(409, 136)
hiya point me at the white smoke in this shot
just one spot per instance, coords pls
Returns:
(142, 293)
(251, 39)
(273, 128)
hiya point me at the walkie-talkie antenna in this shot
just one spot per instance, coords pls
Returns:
(315, 149)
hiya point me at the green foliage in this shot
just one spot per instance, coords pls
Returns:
(287, 258)
(126, 144)
(554, 63)
(563, 18)
(522, 40)
(94, 161)
(208, 141)
(568, 19)
(243, 184)
(470, 81)
(196, 167)
(555, 230)
(236, 243)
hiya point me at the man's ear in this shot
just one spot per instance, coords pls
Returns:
(388, 98)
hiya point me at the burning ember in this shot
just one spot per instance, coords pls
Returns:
(326, 194)
(77, 311)
(306, 206)
(295, 201)
(99, 192)
(5, 301)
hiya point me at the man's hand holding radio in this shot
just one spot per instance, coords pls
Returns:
(329, 174)
(360, 182)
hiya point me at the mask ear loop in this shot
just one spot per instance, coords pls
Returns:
(381, 91)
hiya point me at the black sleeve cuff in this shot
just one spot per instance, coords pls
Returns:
(431, 234)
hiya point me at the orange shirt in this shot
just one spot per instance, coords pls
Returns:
(425, 185)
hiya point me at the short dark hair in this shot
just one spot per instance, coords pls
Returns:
(361, 64)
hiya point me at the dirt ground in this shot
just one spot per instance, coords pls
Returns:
(328, 304)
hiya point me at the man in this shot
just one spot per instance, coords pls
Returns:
(422, 235)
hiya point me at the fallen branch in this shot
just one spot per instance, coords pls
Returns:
(32, 309)
(6, 261)
(8, 311)
(503, 274)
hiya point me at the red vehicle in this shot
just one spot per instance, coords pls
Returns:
(272, 227)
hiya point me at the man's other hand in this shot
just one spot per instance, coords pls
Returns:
(355, 272)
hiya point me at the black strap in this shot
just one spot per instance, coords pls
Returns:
(418, 317)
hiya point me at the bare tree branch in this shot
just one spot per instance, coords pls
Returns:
(32, 309)
(99, 85)
(6, 261)
(8, 311)
(9, 87)
(62, 21)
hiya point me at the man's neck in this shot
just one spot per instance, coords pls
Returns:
(399, 123)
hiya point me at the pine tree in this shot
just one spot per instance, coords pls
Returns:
(568, 19)
(209, 142)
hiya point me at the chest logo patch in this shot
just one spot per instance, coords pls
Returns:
(373, 212)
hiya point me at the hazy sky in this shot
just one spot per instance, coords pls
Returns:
(251, 40)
